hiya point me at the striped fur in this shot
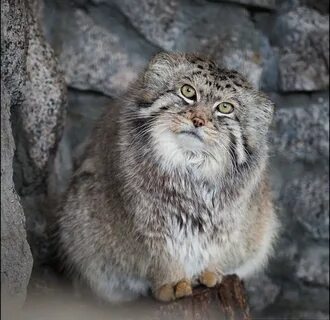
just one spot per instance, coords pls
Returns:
(155, 200)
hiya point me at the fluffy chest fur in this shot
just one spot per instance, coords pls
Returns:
(192, 219)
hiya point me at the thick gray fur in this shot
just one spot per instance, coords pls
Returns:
(151, 205)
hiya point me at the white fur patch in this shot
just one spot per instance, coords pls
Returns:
(176, 151)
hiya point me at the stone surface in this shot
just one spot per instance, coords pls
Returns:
(100, 50)
(37, 120)
(310, 205)
(194, 27)
(160, 21)
(261, 291)
(302, 133)
(43, 109)
(85, 108)
(303, 37)
(320, 5)
(16, 258)
(36, 102)
(97, 52)
(40, 117)
(313, 266)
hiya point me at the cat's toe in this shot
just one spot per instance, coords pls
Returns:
(165, 293)
(183, 288)
(209, 279)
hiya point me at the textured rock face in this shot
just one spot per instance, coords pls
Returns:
(16, 259)
(38, 124)
(42, 111)
(311, 207)
(97, 53)
(302, 133)
(33, 106)
(40, 117)
(313, 266)
(262, 292)
(303, 36)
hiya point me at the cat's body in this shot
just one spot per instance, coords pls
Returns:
(156, 205)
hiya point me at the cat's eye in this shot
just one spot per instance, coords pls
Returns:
(188, 91)
(225, 107)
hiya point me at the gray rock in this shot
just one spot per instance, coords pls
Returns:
(98, 50)
(43, 110)
(16, 258)
(309, 315)
(320, 5)
(303, 37)
(313, 266)
(192, 27)
(302, 133)
(37, 105)
(13, 48)
(84, 109)
(160, 21)
(307, 200)
(262, 291)
(297, 301)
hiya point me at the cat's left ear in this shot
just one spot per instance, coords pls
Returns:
(160, 70)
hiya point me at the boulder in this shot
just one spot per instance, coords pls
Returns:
(302, 34)
(261, 291)
(16, 258)
(98, 50)
(313, 266)
(222, 31)
(306, 199)
(34, 102)
(302, 133)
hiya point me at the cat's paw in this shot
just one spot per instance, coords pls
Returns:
(170, 292)
(183, 289)
(165, 293)
(209, 279)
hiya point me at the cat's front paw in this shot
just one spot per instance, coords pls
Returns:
(183, 288)
(170, 292)
(209, 279)
(165, 293)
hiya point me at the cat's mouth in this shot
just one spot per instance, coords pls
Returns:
(192, 133)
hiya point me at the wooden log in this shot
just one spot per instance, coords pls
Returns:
(225, 301)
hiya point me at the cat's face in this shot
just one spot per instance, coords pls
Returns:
(197, 114)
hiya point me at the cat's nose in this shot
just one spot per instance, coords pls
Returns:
(198, 122)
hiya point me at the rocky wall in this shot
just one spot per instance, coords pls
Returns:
(33, 104)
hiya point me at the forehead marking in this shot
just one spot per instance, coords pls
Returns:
(237, 84)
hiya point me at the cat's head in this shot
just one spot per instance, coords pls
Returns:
(191, 113)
